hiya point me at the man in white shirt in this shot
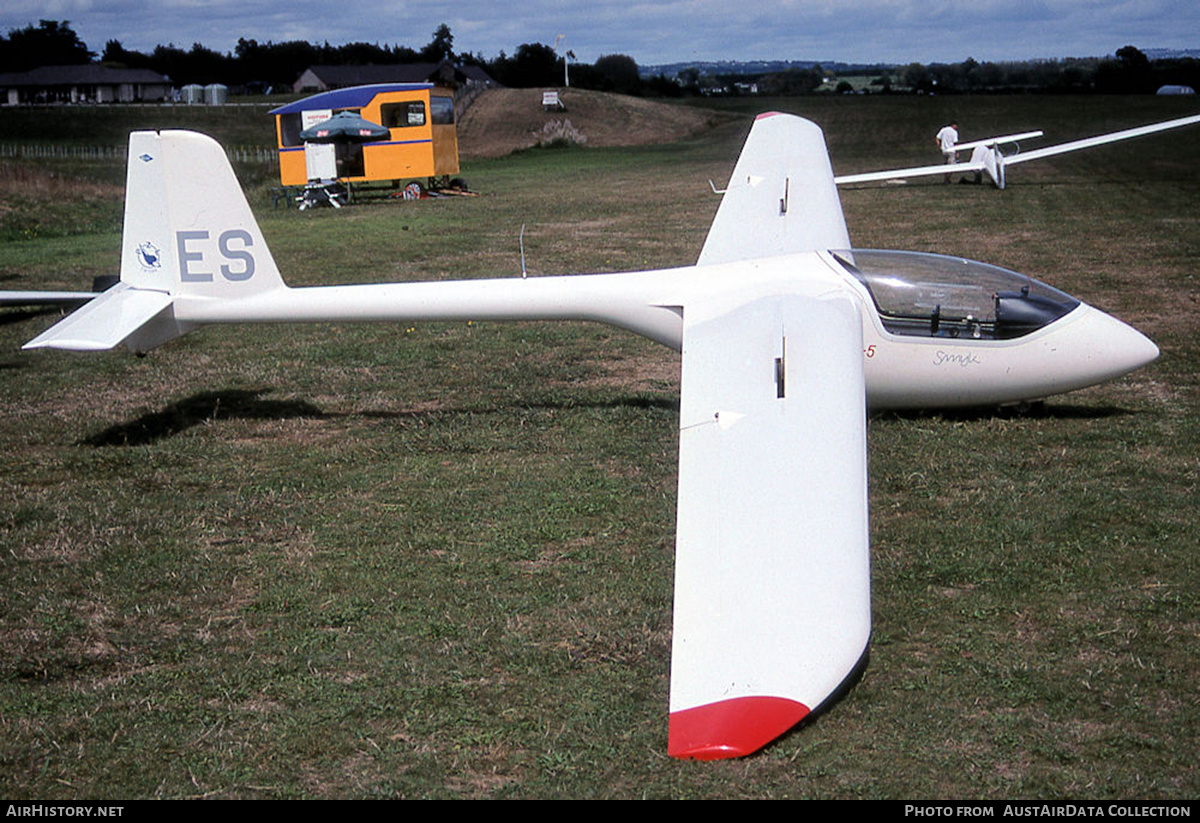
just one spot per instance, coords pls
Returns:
(946, 140)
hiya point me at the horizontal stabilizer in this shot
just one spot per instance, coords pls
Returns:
(106, 322)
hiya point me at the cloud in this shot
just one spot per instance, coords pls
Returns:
(900, 31)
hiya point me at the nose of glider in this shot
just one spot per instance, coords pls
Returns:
(1113, 348)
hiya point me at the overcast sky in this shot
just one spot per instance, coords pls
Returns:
(895, 31)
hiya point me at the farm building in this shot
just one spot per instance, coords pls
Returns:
(83, 84)
(327, 78)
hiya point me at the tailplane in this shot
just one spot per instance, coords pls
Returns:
(189, 233)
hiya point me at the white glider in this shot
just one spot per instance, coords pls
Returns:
(786, 336)
(988, 157)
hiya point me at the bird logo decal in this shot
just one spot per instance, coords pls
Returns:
(149, 256)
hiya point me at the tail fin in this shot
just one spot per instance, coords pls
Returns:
(991, 161)
(189, 233)
(188, 227)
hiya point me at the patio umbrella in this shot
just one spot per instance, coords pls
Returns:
(344, 127)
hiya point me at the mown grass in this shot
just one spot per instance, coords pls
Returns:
(435, 561)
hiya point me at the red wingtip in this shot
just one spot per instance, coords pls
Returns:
(731, 728)
(766, 114)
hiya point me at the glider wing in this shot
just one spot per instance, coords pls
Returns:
(772, 578)
(904, 174)
(1100, 140)
(781, 198)
(998, 141)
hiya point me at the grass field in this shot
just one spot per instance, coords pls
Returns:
(435, 561)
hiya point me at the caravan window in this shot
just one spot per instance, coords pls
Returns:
(402, 115)
(441, 111)
(289, 129)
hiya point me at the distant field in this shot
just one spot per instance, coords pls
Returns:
(435, 561)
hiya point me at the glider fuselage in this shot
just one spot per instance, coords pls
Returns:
(957, 361)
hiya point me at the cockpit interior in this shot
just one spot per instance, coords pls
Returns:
(932, 295)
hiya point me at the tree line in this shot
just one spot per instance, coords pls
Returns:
(270, 64)
(55, 43)
(1129, 71)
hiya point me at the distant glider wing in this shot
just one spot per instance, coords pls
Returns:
(986, 157)
(781, 198)
(1100, 140)
(772, 577)
(905, 174)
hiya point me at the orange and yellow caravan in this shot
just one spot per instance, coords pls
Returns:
(419, 117)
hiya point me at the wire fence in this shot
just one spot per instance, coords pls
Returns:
(238, 154)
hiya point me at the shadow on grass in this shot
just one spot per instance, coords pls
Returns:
(1035, 411)
(631, 401)
(21, 315)
(245, 404)
(248, 404)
